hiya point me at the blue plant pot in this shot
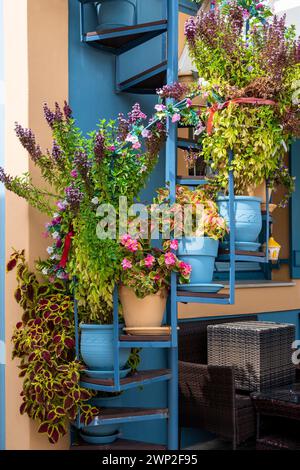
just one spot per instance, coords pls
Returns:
(200, 253)
(248, 218)
(115, 14)
(96, 347)
(102, 430)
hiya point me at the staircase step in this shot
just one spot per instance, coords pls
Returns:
(188, 7)
(191, 180)
(202, 297)
(188, 144)
(131, 381)
(119, 444)
(147, 81)
(120, 40)
(129, 415)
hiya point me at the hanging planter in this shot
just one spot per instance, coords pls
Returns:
(115, 14)
(147, 312)
(248, 218)
(97, 350)
(200, 253)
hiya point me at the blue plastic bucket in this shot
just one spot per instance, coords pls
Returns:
(115, 14)
(248, 218)
(96, 347)
(200, 253)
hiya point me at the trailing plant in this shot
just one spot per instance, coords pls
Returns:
(44, 342)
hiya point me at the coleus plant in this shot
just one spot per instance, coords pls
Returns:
(44, 342)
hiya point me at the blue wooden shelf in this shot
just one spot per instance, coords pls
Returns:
(137, 380)
(121, 415)
(202, 298)
(189, 7)
(119, 444)
(252, 256)
(120, 40)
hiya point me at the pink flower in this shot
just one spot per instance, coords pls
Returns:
(246, 14)
(131, 138)
(126, 264)
(132, 245)
(125, 238)
(170, 259)
(174, 245)
(74, 174)
(176, 117)
(189, 102)
(136, 145)
(146, 133)
(111, 148)
(61, 205)
(160, 107)
(149, 261)
(185, 268)
(259, 6)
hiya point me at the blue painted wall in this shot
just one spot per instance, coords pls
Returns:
(2, 245)
(92, 96)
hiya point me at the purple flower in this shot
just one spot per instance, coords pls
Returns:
(57, 153)
(82, 163)
(53, 117)
(61, 205)
(67, 111)
(74, 196)
(136, 114)
(74, 174)
(4, 178)
(27, 139)
(99, 148)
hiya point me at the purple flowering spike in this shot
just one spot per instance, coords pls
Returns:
(27, 139)
(136, 114)
(74, 196)
(99, 147)
(67, 111)
(4, 178)
(53, 117)
(57, 153)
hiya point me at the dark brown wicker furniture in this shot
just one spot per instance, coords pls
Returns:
(207, 395)
(283, 406)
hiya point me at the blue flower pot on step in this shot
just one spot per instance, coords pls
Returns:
(96, 347)
(248, 218)
(115, 14)
(200, 253)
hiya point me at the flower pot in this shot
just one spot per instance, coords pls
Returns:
(115, 14)
(200, 253)
(96, 347)
(146, 312)
(95, 429)
(248, 218)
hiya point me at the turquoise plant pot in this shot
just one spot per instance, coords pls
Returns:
(248, 218)
(115, 14)
(200, 253)
(96, 347)
(94, 429)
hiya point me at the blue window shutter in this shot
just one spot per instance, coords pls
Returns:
(295, 212)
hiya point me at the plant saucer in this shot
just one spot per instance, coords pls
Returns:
(100, 439)
(201, 288)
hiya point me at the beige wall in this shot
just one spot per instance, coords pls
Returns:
(36, 70)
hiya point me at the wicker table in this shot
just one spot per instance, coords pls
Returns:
(282, 403)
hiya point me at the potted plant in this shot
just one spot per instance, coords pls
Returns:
(113, 14)
(249, 82)
(145, 281)
(200, 239)
(81, 172)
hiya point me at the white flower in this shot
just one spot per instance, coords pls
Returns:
(95, 200)
(55, 235)
(45, 271)
(50, 250)
(55, 215)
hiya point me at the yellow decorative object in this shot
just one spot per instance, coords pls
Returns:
(274, 249)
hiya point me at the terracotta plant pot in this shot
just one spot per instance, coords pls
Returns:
(147, 312)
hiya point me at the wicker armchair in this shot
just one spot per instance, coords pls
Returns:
(207, 395)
